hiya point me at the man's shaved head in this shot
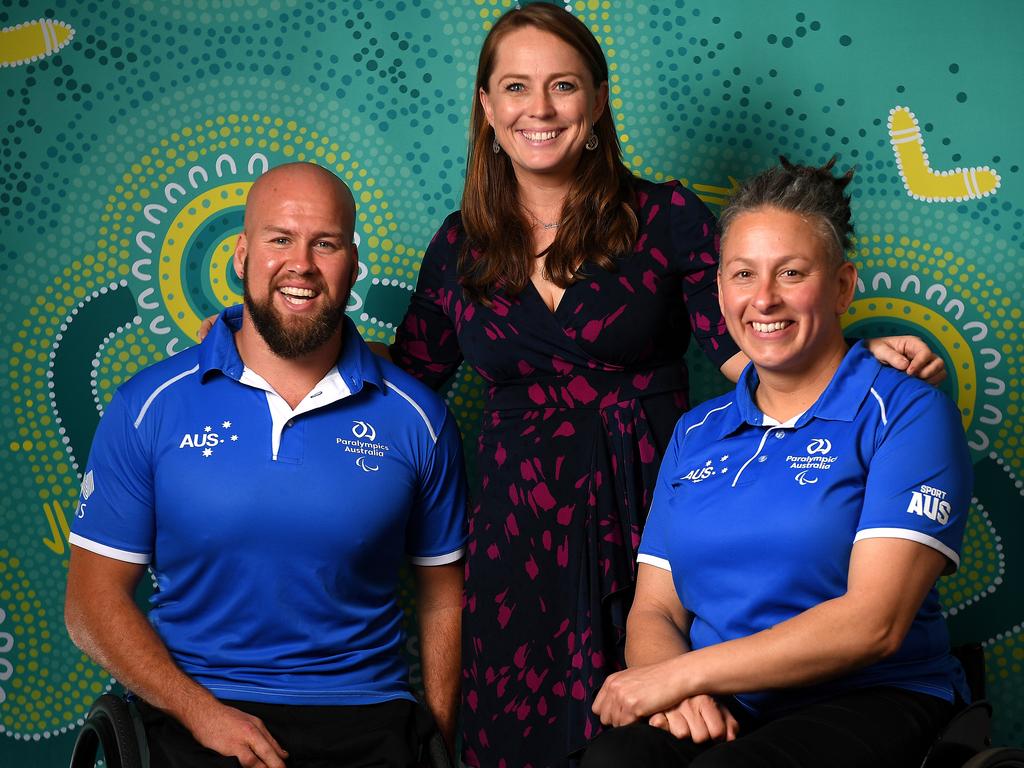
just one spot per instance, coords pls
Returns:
(297, 257)
(276, 183)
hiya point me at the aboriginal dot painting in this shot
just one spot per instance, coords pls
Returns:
(130, 131)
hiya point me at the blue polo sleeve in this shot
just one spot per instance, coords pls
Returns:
(654, 543)
(920, 477)
(436, 534)
(115, 513)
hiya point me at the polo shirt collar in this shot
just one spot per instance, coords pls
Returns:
(356, 366)
(840, 401)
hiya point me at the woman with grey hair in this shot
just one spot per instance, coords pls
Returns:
(786, 611)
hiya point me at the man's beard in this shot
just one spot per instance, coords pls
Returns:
(299, 337)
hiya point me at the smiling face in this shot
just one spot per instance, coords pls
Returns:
(296, 258)
(782, 294)
(541, 101)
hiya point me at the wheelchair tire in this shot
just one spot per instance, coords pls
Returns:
(998, 757)
(108, 725)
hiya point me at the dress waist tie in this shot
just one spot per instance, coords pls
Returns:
(590, 389)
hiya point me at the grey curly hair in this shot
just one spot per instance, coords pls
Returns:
(812, 193)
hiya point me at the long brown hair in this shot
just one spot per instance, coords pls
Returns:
(598, 221)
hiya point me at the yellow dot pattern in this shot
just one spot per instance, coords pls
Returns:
(125, 355)
(34, 693)
(172, 253)
(978, 565)
(948, 337)
(982, 296)
(220, 264)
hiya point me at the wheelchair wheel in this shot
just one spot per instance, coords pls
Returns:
(108, 725)
(999, 757)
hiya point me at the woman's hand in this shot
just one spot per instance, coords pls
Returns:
(698, 718)
(206, 325)
(639, 692)
(909, 354)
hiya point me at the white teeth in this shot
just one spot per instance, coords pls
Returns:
(306, 293)
(769, 327)
(539, 135)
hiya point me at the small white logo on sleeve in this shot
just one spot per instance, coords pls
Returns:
(88, 485)
(931, 503)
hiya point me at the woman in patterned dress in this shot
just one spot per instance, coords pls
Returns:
(573, 288)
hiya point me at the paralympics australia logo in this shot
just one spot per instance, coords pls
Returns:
(206, 440)
(816, 459)
(364, 443)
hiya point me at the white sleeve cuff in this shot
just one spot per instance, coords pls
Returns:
(911, 535)
(451, 557)
(657, 562)
(142, 558)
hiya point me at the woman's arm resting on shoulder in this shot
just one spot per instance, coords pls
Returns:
(904, 353)
(380, 349)
(909, 354)
(888, 581)
(206, 325)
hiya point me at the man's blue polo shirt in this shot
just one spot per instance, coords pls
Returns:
(276, 536)
(757, 520)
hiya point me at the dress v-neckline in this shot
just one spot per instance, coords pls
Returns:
(561, 299)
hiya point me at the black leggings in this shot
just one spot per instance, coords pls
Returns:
(867, 728)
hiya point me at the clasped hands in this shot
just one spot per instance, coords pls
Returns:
(652, 693)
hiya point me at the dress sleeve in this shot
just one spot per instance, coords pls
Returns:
(426, 344)
(115, 513)
(920, 477)
(695, 246)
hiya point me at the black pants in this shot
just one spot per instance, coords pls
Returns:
(378, 735)
(868, 728)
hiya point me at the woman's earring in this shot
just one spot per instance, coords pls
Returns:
(495, 146)
(592, 141)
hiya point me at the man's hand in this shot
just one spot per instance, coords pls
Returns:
(234, 733)
(909, 354)
(638, 693)
(699, 718)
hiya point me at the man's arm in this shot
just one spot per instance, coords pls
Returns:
(103, 620)
(439, 608)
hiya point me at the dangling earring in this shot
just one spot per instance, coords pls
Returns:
(495, 146)
(592, 141)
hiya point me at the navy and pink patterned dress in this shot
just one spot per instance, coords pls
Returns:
(580, 405)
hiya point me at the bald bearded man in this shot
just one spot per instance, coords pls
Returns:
(274, 479)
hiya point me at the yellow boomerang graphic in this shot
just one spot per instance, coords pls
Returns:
(921, 182)
(33, 40)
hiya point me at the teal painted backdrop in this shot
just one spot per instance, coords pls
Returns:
(131, 130)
